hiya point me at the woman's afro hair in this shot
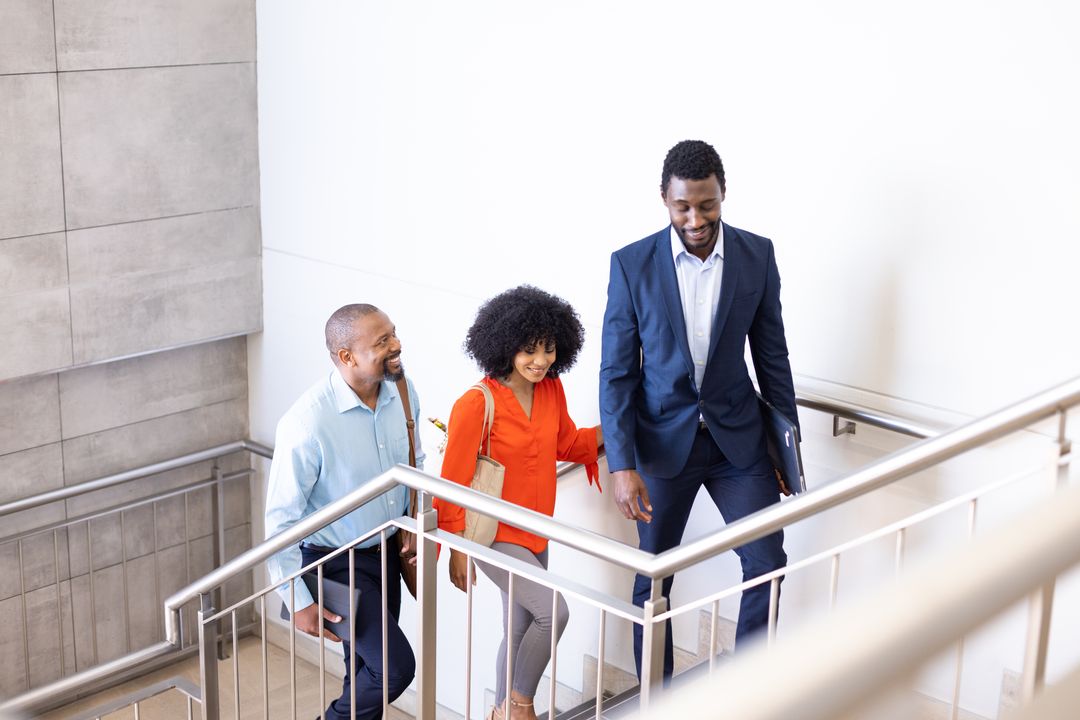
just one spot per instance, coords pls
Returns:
(519, 318)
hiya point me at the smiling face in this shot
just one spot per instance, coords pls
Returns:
(694, 208)
(374, 353)
(533, 361)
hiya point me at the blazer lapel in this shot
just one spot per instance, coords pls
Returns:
(669, 289)
(729, 281)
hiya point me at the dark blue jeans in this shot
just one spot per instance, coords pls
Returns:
(367, 643)
(737, 493)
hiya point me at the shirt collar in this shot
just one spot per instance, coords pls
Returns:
(677, 248)
(347, 399)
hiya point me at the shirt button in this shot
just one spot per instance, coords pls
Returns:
(700, 362)
(380, 446)
(701, 403)
(701, 334)
(700, 302)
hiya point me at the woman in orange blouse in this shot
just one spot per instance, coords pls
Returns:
(522, 340)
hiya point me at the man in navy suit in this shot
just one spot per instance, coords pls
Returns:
(677, 405)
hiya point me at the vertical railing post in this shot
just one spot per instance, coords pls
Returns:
(1041, 602)
(208, 676)
(217, 519)
(652, 646)
(426, 559)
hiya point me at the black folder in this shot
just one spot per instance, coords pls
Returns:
(782, 440)
(335, 599)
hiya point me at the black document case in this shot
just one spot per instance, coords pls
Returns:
(335, 599)
(782, 439)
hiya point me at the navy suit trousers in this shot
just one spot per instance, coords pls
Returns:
(367, 643)
(737, 493)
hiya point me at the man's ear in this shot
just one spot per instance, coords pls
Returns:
(344, 357)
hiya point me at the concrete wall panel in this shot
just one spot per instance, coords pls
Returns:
(31, 413)
(26, 37)
(42, 622)
(31, 191)
(96, 35)
(173, 243)
(30, 472)
(38, 262)
(36, 328)
(12, 655)
(136, 313)
(106, 396)
(111, 451)
(149, 143)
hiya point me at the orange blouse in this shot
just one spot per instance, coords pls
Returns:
(528, 448)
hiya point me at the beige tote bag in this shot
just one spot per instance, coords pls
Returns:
(488, 477)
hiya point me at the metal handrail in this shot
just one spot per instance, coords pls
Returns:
(847, 411)
(970, 587)
(896, 466)
(529, 520)
(865, 415)
(128, 475)
(899, 465)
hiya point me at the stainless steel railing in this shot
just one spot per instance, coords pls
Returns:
(890, 634)
(890, 469)
(118, 514)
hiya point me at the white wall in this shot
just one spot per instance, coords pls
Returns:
(917, 166)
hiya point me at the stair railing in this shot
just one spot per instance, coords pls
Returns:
(890, 469)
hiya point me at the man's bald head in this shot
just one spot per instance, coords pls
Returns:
(340, 326)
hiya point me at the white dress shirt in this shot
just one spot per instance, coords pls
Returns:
(699, 290)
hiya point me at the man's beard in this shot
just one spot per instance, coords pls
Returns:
(714, 234)
(391, 375)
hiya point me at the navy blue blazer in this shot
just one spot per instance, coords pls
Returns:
(649, 404)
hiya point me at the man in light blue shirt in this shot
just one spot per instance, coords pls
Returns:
(345, 430)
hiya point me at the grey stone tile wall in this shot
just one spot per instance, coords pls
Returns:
(26, 37)
(31, 189)
(97, 35)
(129, 245)
(128, 314)
(155, 407)
(129, 179)
(34, 263)
(12, 655)
(154, 142)
(120, 393)
(36, 328)
(33, 416)
(162, 245)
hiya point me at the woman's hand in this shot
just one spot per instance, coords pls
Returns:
(459, 570)
(599, 436)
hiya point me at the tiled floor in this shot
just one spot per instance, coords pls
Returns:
(173, 704)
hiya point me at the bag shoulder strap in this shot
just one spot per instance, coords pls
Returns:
(410, 427)
(410, 424)
(489, 417)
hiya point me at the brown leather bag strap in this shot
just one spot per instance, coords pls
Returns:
(410, 426)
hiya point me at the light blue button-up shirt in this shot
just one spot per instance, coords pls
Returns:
(699, 290)
(328, 444)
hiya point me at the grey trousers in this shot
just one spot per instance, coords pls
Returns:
(532, 623)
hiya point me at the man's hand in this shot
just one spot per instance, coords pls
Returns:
(784, 489)
(307, 621)
(408, 546)
(459, 570)
(631, 497)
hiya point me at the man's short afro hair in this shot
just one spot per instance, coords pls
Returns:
(518, 318)
(692, 160)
